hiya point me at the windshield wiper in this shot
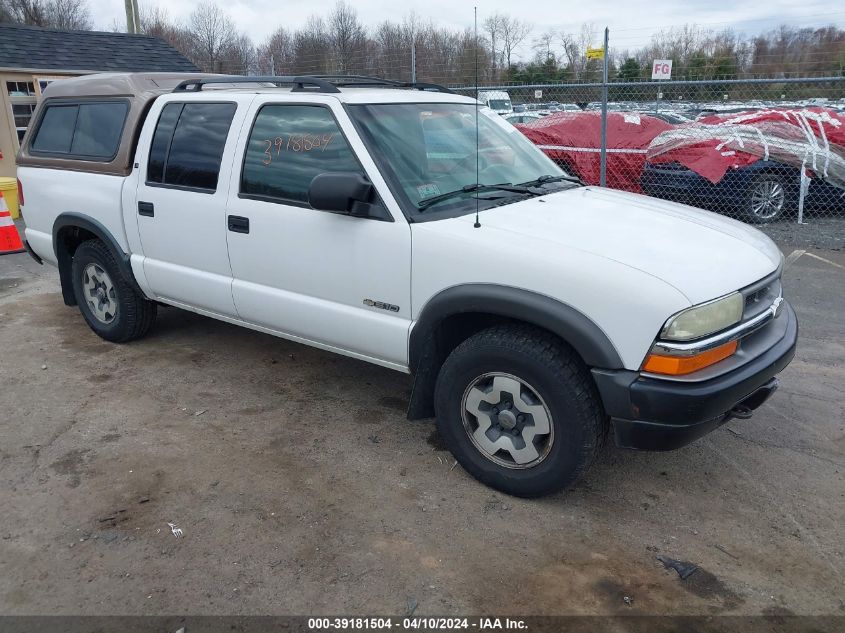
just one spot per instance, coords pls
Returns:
(542, 180)
(422, 205)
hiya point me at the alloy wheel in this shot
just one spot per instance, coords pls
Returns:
(767, 199)
(507, 420)
(99, 293)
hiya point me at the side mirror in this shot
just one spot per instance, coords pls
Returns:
(345, 192)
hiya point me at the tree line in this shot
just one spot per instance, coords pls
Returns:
(696, 53)
(507, 49)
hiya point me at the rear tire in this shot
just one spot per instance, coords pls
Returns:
(519, 410)
(108, 302)
(766, 199)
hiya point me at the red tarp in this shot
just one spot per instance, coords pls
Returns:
(574, 138)
(706, 158)
(812, 137)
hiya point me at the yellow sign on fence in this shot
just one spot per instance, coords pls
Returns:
(595, 53)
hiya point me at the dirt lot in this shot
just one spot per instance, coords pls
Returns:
(301, 488)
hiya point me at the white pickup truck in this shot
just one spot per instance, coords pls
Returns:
(407, 226)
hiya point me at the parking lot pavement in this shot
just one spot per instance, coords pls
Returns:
(300, 487)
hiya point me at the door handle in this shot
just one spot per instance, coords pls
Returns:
(147, 209)
(238, 224)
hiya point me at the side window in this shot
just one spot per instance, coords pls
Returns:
(55, 133)
(161, 141)
(188, 144)
(288, 146)
(98, 129)
(82, 130)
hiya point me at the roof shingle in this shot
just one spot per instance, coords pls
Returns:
(34, 48)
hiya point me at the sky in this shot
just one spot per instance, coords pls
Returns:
(631, 22)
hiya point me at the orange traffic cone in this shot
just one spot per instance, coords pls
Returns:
(10, 241)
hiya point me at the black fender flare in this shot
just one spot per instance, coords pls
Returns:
(571, 325)
(64, 258)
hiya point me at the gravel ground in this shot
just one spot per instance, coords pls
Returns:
(821, 233)
(300, 488)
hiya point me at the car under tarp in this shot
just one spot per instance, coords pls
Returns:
(573, 140)
(811, 139)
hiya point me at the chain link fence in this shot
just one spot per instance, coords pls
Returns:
(770, 152)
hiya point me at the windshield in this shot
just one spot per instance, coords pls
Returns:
(499, 104)
(428, 149)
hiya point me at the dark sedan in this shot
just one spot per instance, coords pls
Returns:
(761, 192)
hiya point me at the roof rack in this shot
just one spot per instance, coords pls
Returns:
(363, 81)
(300, 84)
(316, 83)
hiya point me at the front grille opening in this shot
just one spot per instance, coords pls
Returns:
(759, 298)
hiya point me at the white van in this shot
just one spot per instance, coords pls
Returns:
(499, 101)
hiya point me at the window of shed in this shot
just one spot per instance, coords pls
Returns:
(20, 88)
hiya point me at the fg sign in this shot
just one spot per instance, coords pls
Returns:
(661, 69)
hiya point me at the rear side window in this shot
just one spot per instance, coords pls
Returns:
(88, 131)
(98, 128)
(56, 130)
(188, 145)
(288, 146)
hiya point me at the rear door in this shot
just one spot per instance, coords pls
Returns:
(181, 203)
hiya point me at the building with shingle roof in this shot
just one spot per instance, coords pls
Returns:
(31, 57)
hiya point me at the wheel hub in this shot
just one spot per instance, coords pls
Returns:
(507, 420)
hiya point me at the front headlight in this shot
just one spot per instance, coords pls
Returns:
(704, 319)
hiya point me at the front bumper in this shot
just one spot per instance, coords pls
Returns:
(656, 414)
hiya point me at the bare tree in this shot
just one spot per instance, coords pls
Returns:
(544, 46)
(275, 55)
(575, 49)
(66, 15)
(311, 48)
(513, 33)
(70, 15)
(348, 38)
(238, 57)
(393, 44)
(213, 31)
(157, 22)
(493, 29)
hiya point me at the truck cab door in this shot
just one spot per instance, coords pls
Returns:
(181, 203)
(335, 281)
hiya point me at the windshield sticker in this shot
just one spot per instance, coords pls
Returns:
(427, 190)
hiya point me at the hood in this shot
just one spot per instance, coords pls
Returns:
(701, 254)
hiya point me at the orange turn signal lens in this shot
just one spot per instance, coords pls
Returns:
(680, 365)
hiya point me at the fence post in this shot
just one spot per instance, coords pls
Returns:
(603, 170)
(413, 60)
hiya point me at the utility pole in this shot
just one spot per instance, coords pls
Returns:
(133, 18)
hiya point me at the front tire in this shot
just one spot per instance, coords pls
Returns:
(519, 411)
(109, 304)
